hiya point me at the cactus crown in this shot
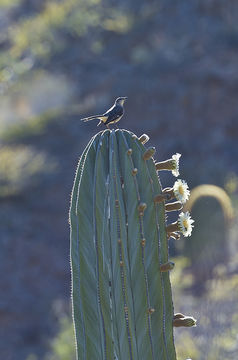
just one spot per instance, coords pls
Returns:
(122, 303)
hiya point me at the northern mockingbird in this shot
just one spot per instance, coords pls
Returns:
(111, 116)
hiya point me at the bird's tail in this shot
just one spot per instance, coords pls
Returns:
(95, 117)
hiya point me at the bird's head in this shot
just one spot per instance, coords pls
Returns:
(121, 100)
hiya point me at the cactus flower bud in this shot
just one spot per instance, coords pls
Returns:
(186, 321)
(177, 205)
(175, 235)
(167, 266)
(149, 153)
(134, 171)
(160, 198)
(144, 138)
(141, 208)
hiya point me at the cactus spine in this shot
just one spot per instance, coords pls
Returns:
(122, 303)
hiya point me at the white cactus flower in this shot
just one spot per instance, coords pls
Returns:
(175, 158)
(185, 223)
(181, 191)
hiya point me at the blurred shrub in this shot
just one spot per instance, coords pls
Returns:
(38, 41)
(215, 337)
(187, 347)
(8, 3)
(20, 167)
(63, 345)
(28, 127)
(28, 106)
(231, 183)
(48, 32)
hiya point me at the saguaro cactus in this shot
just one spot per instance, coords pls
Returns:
(122, 304)
(212, 208)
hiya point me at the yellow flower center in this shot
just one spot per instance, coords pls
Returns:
(181, 190)
(185, 223)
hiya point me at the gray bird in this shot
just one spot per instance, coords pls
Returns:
(111, 116)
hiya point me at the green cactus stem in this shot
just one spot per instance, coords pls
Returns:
(122, 303)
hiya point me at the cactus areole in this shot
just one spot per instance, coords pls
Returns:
(122, 303)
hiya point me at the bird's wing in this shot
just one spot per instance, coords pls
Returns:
(108, 112)
(115, 113)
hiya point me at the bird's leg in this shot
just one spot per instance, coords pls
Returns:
(107, 125)
(116, 126)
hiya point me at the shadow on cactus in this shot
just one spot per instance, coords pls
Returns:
(122, 303)
(209, 246)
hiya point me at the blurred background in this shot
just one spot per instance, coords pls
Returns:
(177, 61)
